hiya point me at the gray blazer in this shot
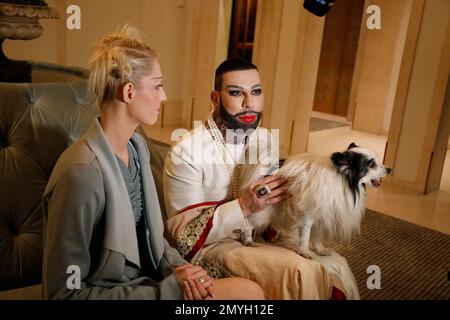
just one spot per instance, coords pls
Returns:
(89, 223)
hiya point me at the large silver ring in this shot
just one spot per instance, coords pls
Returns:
(262, 191)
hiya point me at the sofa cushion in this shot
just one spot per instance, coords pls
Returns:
(37, 123)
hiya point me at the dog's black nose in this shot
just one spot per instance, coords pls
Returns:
(388, 170)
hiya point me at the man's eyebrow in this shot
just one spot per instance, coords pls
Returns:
(235, 87)
(158, 78)
(232, 86)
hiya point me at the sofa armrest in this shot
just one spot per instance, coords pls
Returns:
(25, 293)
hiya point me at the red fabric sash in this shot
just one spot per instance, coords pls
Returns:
(337, 294)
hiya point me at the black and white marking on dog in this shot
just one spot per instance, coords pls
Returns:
(328, 199)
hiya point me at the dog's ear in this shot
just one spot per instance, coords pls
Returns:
(352, 145)
(339, 160)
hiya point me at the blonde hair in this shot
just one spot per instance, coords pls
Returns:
(120, 57)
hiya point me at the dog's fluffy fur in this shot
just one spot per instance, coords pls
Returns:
(328, 199)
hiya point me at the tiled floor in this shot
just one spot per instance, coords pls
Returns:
(432, 210)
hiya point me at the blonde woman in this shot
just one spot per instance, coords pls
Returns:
(102, 217)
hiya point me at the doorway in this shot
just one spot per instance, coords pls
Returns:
(337, 57)
(242, 31)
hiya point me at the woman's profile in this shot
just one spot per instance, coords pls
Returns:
(102, 218)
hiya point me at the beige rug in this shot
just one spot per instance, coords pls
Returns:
(414, 261)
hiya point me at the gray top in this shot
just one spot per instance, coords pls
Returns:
(133, 182)
(132, 177)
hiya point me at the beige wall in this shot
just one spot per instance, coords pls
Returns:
(191, 37)
(202, 55)
(163, 23)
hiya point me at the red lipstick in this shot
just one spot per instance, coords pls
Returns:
(248, 118)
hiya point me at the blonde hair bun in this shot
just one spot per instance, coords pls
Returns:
(119, 57)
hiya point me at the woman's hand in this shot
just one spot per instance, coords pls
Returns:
(250, 202)
(195, 282)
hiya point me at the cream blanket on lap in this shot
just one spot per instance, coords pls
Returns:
(203, 215)
(283, 274)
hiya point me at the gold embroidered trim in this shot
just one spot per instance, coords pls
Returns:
(192, 231)
(215, 269)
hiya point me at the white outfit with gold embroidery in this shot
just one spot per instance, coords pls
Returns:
(194, 174)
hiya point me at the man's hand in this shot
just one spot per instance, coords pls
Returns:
(194, 281)
(249, 201)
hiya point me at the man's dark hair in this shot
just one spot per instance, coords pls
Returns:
(232, 64)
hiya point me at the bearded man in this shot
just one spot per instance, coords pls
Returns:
(208, 204)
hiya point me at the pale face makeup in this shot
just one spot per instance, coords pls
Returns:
(148, 98)
(242, 99)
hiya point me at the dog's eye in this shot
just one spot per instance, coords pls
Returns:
(371, 163)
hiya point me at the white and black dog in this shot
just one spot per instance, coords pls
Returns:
(328, 199)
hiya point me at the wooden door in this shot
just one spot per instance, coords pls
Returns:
(242, 29)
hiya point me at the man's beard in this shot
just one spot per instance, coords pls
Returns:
(232, 121)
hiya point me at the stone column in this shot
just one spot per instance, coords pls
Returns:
(420, 122)
(288, 40)
(201, 49)
(377, 66)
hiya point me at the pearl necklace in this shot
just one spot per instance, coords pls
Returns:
(220, 142)
(241, 234)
